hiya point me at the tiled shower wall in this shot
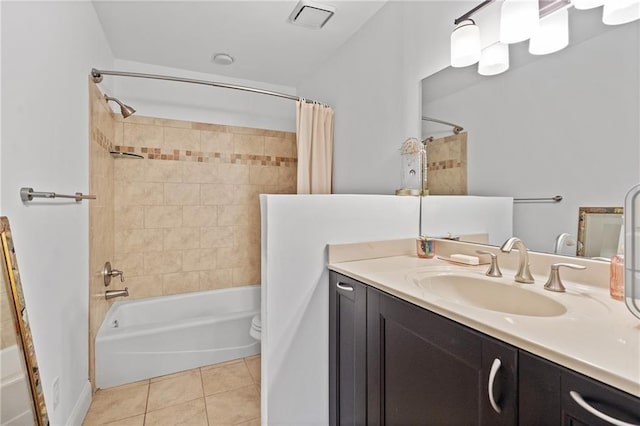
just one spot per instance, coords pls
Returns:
(101, 241)
(187, 216)
(447, 165)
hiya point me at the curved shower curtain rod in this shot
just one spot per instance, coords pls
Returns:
(456, 128)
(98, 75)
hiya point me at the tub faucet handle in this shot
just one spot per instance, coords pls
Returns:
(108, 272)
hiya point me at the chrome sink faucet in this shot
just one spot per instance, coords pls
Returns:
(524, 274)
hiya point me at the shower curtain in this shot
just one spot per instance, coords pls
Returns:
(314, 125)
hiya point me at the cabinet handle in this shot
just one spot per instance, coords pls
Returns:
(581, 402)
(344, 287)
(492, 378)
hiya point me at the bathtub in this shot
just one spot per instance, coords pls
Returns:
(16, 407)
(145, 338)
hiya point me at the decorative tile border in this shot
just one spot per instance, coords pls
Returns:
(100, 138)
(443, 165)
(208, 157)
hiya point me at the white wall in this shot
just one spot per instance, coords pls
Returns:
(565, 124)
(373, 82)
(190, 102)
(48, 49)
(295, 308)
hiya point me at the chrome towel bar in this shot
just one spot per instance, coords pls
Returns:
(555, 199)
(28, 194)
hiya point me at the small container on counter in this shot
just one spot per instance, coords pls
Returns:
(425, 247)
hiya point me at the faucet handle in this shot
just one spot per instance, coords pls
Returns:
(554, 283)
(108, 272)
(494, 269)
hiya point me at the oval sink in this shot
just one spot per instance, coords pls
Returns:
(490, 294)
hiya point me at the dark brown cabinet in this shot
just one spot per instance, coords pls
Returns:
(549, 395)
(394, 363)
(426, 369)
(347, 351)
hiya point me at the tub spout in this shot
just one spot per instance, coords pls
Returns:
(110, 294)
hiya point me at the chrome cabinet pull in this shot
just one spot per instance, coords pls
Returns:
(492, 378)
(344, 287)
(581, 402)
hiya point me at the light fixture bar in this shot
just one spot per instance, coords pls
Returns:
(470, 13)
(545, 6)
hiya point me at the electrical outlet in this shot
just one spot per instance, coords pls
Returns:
(56, 392)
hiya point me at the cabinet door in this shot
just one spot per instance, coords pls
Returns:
(545, 397)
(605, 400)
(539, 391)
(347, 351)
(428, 370)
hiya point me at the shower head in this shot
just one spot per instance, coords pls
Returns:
(125, 110)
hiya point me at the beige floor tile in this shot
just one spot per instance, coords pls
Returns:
(181, 388)
(173, 375)
(131, 421)
(117, 403)
(253, 364)
(225, 377)
(192, 413)
(233, 407)
(220, 364)
(254, 422)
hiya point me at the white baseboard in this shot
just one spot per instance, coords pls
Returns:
(81, 406)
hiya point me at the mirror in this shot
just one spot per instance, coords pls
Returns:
(21, 397)
(559, 124)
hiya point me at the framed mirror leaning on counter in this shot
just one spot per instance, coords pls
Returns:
(21, 397)
(600, 232)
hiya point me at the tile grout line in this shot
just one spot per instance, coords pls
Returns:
(204, 397)
(146, 405)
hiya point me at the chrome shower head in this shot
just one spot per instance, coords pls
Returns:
(125, 110)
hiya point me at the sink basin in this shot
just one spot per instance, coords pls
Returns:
(489, 294)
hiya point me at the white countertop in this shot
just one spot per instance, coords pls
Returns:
(597, 336)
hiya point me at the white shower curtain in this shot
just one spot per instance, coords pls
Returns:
(315, 147)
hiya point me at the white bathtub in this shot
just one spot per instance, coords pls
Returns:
(145, 338)
(15, 394)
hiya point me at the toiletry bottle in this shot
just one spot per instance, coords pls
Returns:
(616, 278)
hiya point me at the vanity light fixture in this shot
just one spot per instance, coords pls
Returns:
(465, 44)
(494, 59)
(519, 19)
(618, 12)
(545, 21)
(552, 35)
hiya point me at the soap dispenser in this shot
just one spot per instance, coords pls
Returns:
(616, 278)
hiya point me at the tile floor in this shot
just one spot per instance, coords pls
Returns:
(220, 394)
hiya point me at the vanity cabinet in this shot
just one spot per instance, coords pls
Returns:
(426, 369)
(392, 362)
(347, 350)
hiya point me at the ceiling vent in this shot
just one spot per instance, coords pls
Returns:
(311, 15)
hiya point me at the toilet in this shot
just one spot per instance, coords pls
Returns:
(256, 327)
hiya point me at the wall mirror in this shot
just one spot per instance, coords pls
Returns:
(559, 124)
(21, 397)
